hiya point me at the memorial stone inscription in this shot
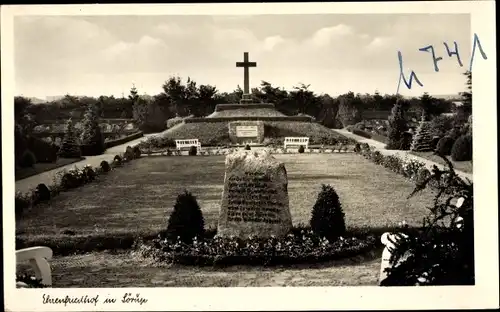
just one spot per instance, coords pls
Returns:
(255, 198)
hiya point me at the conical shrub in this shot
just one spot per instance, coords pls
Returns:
(422, 142)
(327, 218)
(69, 145)
(186, 221)
(92, 138)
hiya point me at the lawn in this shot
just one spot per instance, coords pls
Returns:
(24, 173)
(136, 200)
(464, 166)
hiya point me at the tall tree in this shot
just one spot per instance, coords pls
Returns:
(69, 145)
(397, 126)
(92, 137)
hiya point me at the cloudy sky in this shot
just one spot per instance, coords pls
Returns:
(334, 53)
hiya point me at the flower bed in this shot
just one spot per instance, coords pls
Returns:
(209, 151)
(300, 246)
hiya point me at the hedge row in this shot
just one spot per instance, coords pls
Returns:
(69, 179)
(223, 107)
(238, 118)
(123, 140)
(412, 169)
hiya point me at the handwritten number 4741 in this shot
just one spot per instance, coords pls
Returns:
(430, 49)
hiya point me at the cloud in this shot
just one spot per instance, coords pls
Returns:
(325, 36)
(379, 43)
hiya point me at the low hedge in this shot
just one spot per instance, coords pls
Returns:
(361, 133)
(238, 118)
(410, 168)
(300, 246)
(64, 181)
(123, 140)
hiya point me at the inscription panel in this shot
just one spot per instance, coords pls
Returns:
(251, 199)
(246, 131)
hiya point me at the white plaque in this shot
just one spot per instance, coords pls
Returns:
(246, 131)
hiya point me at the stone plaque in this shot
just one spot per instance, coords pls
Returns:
(246, 131)
(242, 132)
(255, 196)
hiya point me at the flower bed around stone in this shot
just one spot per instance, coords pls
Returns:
(300, 246)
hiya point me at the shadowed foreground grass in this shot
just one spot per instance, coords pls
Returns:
(126, 269)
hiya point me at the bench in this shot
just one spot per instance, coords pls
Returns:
(180, 144)
(37, 256)
(296, 141)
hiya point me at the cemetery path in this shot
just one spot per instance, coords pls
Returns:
(381, 148)
(47, 177)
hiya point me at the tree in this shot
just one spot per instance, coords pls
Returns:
(92, 138)
(464, 111)
(422, 142)
(349, 112)
(69, 145)
(24, 121)
(397, 125)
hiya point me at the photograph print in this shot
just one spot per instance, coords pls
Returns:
(232, 150)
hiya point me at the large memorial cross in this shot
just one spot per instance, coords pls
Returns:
(246, 76)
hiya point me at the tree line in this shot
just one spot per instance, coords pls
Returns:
(180, 99)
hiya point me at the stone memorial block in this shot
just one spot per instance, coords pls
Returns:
(255, 196)
(243, 132)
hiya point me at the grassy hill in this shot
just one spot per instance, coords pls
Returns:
(216, 134)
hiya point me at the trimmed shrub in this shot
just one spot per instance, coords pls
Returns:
(129, 153)
(444, 146)
(105, 166)
(301, 149)
(89, 174)
(193, 151)
(28, 160)
(327, 218)
(69, 145)
(137, 151)
(357, 148)
(42, 192)
(186, 221)
(462, 148)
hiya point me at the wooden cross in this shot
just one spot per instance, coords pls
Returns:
(246, 77)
